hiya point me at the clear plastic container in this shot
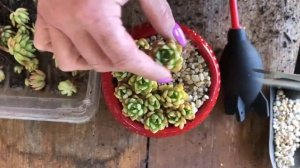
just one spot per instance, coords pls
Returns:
(20, 102)
(23, 104)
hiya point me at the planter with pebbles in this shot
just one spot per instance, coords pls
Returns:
(159, 110)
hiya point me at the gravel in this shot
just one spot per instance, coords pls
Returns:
(195, 76)
(286, 125)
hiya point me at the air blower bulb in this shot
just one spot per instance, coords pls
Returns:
(242, 92)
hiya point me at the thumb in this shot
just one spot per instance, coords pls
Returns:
(160, 15)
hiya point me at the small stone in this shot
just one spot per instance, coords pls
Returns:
(200, 60)
(195, 78)
(201, 76)
(190, 98)
(200, 66)
(198, 84)
(199, 103)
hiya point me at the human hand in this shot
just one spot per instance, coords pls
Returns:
(88, 34)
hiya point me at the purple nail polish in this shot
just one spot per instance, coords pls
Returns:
(165, 80)
(179, 35)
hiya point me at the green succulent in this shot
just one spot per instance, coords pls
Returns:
(121, 76)
(19, 17)
(6, 33)
(134, 108)
(176, 118)
(173, 96)
(23, 29)
(155, 121)
(21, 45)
(67, 88)
(32, 64)
(187, 111)
(169, 55)
(143, 44)
(152, 102)
(2, 75)
(142, 85)
(18, 69)
(123, 92)
(36, 80)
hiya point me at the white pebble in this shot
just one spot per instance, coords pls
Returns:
(195, 78)
(199, 103)
(201, 76)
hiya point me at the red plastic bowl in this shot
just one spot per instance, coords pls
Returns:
(115, 106)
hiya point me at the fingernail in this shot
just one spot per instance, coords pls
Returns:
(179, 35)
(165, 80)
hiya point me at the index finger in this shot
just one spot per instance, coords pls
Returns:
(120, 47)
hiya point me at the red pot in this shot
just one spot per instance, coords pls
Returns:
(115, 106)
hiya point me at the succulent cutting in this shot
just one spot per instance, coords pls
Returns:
(67, 88)
(169, 54)
(157, 106)
(36, 80)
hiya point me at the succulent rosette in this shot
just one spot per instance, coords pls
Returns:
(123, 92)
(36, 80)
(141, 85)
(67, 88)
(155, 121)
(134, 108)
(173, 96)
(169, 54)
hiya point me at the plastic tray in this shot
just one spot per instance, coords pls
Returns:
(19, 102)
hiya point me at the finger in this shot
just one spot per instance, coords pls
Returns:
(41, 36)
(90, 50)
(67, 56)
(160, 15)
(119, 46)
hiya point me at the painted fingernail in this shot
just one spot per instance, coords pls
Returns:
(179, 35)
(165, 80)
